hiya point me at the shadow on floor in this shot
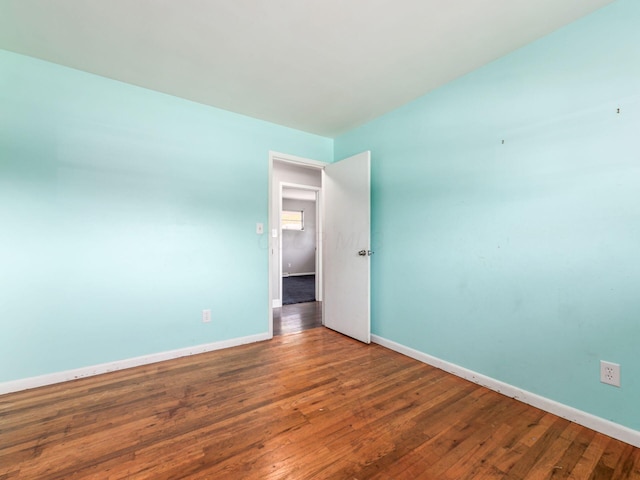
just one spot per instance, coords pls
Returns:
(297, 318)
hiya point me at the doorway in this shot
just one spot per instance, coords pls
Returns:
(343, 274)
(299, 221)
(295, 253)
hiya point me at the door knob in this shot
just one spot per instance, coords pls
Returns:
(365, 253)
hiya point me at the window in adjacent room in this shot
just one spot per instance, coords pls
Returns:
(293, 220)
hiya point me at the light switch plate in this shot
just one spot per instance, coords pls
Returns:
(259, 228)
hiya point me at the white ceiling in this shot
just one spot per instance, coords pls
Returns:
(322, 66)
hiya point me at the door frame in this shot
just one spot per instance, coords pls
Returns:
(274, 223)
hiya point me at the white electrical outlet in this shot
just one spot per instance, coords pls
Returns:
(206, 315)
(610, 373)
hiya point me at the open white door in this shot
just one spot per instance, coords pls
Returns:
(347, 243)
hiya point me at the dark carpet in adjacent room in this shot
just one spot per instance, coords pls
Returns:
(298, 289)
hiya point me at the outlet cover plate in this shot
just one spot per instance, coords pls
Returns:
(610, 373)
(206, 316)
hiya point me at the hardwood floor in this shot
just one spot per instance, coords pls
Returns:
(314, 405)
(297, 317)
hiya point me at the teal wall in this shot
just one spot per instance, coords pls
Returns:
(521, 260)
(123, 213)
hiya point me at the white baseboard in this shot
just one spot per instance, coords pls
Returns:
(276, 302)
(297, 274)
(59, 377)
(585, 419)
